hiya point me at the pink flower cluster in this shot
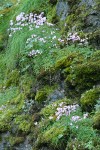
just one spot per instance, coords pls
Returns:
(29, 20)
(74, 38)
(34, 53)
(78, 118)
(75, 118)
(65, 110)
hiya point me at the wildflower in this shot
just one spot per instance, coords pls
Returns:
(50, 117)
(49, 24)
(75, 118)
(35, 123)
(65, 110)
(54, 37)
(11, 23)
(71, 124)
(85, 115)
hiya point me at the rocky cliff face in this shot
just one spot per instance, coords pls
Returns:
(49, 75)
(81, 15)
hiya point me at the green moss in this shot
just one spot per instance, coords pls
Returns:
(76, 145)
(26, 83)
(50, 109)
(23, 123)
(43, 93)
(6, 117)
(8, 94)
(55, 134)
(52, 16)
(93, 38)
(65, 61)
(12, 78)
(18, 99)
(96, 120)
(4, 126)
(89, 99)
(9, 112)
(15, 140)
(41, 96)
(84, 76)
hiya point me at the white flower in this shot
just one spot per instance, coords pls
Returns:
(35, 123)
(85, 115)
(54, 37)
(50, 117)
(11, 23)
(75, 118)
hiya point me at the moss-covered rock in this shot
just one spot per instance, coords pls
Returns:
(12, 78)
(96, 120)
(75, 144)
(41, 96)
(55, 136)
(94, 38)
(4, 126)
(89, 99)
(15, 140)
(84, 76)
(43, 93)
(6, 117)
(51, 16)
(23, 123)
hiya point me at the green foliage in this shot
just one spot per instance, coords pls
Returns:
(59, 133)
(8, 94)
(12, 78)
(50, 109)
(6, 116)
(80, 76)
(15, 140)
(56, 134)
(52, 16)
(23, 123)
(43, 93)
(41, 96)
(96, 120)
(25, 80)
(89, 99)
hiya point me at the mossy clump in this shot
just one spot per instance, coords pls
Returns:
(75, 144)
(50, 109)
(94, 38)
(12, 78)
(9, 112)
(6, 117)
(52, 16)
(89, 99)
(26, 84)
(41, 96)
(96, 120)
(4, 126)
(15, 140)
(23, 123)
(84, 76)
(55, 135)
(65, 61)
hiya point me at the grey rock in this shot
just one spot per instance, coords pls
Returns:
(89, 3)
(92, 21)
(62, 9)
(56, 95)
